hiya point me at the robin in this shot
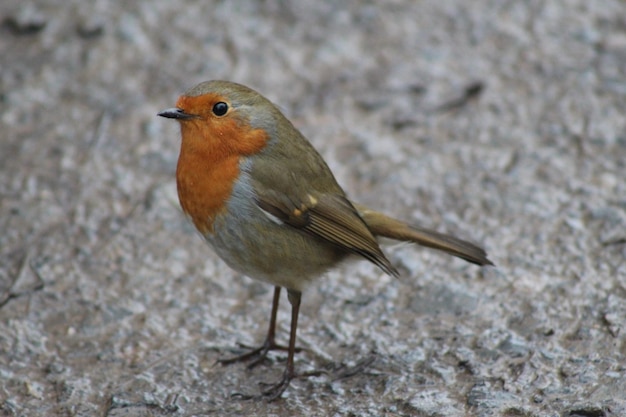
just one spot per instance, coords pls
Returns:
(270, 207)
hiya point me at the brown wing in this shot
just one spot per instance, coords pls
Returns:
(331, 217)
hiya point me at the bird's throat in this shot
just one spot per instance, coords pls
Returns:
(205, 185)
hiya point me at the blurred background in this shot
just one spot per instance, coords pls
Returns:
(499, 121)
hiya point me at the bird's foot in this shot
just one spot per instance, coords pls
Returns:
(273, 392)
(258, 354)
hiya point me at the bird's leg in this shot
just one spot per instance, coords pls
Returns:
(275, 391)
(260, 353)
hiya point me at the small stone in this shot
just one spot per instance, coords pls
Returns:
(28, 21)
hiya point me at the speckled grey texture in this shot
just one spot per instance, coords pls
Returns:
(117, 308)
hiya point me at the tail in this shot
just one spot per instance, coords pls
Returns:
(385, 226)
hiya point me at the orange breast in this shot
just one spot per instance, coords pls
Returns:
(208, 165)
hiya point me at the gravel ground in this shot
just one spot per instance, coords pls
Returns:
(499, 121)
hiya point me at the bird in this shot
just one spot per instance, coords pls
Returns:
(268, 204)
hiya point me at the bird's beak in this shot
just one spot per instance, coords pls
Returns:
(176, 113)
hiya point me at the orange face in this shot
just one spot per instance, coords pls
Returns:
(212, 146)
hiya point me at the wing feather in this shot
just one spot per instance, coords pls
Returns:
(332, 218)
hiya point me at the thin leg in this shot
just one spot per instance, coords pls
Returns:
(270, 340)
(276, 391)
(271, 332)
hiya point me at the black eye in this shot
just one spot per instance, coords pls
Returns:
(220, 108)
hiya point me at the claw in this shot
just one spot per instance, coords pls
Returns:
(258, 354)
(275, 391)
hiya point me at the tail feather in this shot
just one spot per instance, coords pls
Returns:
(385, 226)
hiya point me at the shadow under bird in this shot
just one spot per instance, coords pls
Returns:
(270, 207)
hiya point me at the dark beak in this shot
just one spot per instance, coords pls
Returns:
(176, 113)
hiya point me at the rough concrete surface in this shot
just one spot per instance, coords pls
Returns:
(499, 121)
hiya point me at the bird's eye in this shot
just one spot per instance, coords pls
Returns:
(220, 108)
